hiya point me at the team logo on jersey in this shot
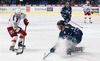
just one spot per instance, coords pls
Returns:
(12, 31)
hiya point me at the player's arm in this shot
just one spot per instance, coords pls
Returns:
(63, 11)
(26, 22)
(91, 10)
(52, 50)
(70, 11)
(83, 8)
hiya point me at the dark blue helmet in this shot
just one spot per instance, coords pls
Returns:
(61, 22)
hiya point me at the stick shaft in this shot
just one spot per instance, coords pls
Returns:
(17, 53)
(77, 24)
(46, 56)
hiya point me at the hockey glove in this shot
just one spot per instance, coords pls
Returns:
(92, 12)
(26, 22)
(52, 50)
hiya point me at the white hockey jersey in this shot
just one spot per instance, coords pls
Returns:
(87, 8)
(13, 20)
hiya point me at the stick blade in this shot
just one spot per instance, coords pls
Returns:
(46, 56)
(17, 53)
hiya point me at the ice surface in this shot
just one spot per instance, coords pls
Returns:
(43, 34)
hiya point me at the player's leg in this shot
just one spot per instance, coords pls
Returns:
(13, 34)
(73, 47)
(13, 42)
(21, 37)
(66, 18)
(76, 49)
(90, 18)
(79, 49)
(85, 17)
(23, 34)
(69, 45)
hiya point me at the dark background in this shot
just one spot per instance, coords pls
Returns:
(45, 2)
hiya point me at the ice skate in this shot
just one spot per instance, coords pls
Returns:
(12, 48)
(84, 21)
(21, 45)
(69, 52)
(91, 22)
(80, 49)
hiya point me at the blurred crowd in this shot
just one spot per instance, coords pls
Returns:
(45, 2)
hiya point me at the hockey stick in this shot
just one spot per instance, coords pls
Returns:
(17, 53)
(77, 24)
(46, 56)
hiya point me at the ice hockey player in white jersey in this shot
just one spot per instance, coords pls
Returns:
(87, 11)
(72, 35)
(14, 29)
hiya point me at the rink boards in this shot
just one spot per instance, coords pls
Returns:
(45, 10)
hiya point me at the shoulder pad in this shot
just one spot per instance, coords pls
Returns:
(23, 15)
(90, 5)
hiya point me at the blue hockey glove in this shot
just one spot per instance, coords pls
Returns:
(52, 50)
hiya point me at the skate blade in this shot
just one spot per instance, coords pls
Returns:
(15, 50)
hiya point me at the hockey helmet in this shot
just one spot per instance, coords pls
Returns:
(18, 11)
(67, 3)
(61, 22)
(87, 2)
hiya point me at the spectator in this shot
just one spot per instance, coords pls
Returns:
(81, 0)
(9, 2)
(80, 4)
(44, 2)
(14, 2)
(92, 2)
(6, 1)
(98, 2)
(21, 1)
(61, 2)
(2, 2)
(26, 3)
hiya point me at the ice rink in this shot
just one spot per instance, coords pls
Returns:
(42, 34)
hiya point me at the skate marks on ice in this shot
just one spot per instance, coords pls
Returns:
(60, 54)
(74, 57)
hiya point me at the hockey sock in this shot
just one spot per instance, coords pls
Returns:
(21, 38)
(85, 18)
(14, 40)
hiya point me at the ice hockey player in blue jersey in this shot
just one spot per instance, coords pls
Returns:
(66, 12)
(71, 33)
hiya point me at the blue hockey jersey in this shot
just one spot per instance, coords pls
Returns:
(70, 32)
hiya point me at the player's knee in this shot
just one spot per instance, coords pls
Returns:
(21, 37)
(15, 37)
(89, 17)
(23, 32)
(11, 31)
